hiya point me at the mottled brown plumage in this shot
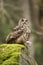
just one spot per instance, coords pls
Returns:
(20, 33)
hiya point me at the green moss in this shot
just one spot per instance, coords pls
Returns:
(10, 54)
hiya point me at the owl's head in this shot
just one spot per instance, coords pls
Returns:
(23, 21)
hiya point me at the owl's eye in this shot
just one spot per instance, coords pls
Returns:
(26, 20)
(22, 19)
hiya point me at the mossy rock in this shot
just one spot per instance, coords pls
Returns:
(15, 54)
(10, 54)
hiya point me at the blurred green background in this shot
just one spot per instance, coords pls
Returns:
(10, 13)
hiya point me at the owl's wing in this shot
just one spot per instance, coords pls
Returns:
(16, 28)
(14, 35)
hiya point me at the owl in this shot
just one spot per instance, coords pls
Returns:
(20, 33)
